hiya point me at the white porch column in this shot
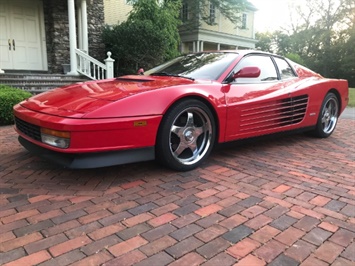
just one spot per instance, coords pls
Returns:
(79, 27)
(84, 24)
(72, 37)
(201, 46)
(193, 47)
(218, 46)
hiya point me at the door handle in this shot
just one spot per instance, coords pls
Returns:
(13, 44)
(9, 42)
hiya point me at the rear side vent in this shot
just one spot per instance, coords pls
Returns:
(274, 114)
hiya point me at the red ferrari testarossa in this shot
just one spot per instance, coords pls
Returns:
(178, 111)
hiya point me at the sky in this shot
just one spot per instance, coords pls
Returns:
(271, 14)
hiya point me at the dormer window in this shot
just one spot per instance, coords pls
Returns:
(184, 12)
(244, 21)
(212, 14)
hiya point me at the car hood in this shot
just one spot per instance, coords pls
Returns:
(81, 98)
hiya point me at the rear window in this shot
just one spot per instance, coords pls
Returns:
(285, 69)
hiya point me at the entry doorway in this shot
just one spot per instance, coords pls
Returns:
(22, 35)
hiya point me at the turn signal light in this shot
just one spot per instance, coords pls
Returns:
(55, 138)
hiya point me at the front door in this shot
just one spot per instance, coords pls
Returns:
(21, 35)
(265, 104)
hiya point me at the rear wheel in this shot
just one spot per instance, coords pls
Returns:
(186, 135)
(328, 116)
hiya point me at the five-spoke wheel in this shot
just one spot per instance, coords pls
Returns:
(186, 135)
(328, 116)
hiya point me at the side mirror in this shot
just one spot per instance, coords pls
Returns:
(247, 72)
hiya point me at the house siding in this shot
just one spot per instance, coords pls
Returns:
(116, 11)
(226, 26)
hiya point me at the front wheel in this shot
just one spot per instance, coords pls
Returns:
(186, 135)
(328, 116)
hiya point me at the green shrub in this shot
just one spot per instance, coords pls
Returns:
(352, 97)
(10, 96)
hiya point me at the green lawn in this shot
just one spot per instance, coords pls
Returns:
(352, 97)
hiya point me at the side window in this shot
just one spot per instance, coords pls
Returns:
(267, 69)
(285, 69)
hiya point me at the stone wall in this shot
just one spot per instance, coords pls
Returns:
(57, 32)
(96, 20)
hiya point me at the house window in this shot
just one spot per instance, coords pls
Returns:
(244, 21)
(184, 12)
(131, 2)
(212, 14)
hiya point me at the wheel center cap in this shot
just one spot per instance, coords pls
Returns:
(189, 135)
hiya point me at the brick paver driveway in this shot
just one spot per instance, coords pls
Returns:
(288, 201)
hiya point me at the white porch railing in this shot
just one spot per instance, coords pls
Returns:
(92, 68)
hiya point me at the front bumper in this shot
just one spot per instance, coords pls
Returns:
(90, 160)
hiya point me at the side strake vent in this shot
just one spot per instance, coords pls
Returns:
(275, 114)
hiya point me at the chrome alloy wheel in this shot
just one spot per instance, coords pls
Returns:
(190, 135)
(330, 115)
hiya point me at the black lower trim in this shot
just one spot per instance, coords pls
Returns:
(271, 136)
(90, 160)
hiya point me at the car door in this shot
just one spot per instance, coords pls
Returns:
(263, 104)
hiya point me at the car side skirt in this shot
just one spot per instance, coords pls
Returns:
(90, 160)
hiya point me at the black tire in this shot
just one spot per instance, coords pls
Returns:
(186, 135)
(328, 116)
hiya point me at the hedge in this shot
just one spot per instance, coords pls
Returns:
(10, 96)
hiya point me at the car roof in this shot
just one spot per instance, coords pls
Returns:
(240, 52)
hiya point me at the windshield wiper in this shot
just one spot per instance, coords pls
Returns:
(170, 75)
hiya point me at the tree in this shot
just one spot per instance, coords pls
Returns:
(295, 58)
(165, 16)
(148, 37)
(151, 33)
(136, 45)
(265, 42)
(273, 42)
(322, 37)
(345, 47)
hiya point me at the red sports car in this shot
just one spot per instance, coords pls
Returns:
(178, 111)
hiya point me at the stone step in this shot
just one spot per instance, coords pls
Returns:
(38, 82)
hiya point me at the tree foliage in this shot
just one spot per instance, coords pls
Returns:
(148, 37)
(322, 37)
(265, 42)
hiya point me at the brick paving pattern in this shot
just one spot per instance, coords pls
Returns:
(289, 201)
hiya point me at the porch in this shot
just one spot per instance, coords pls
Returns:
(53, 37)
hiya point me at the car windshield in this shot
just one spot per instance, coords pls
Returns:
(196, 66)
